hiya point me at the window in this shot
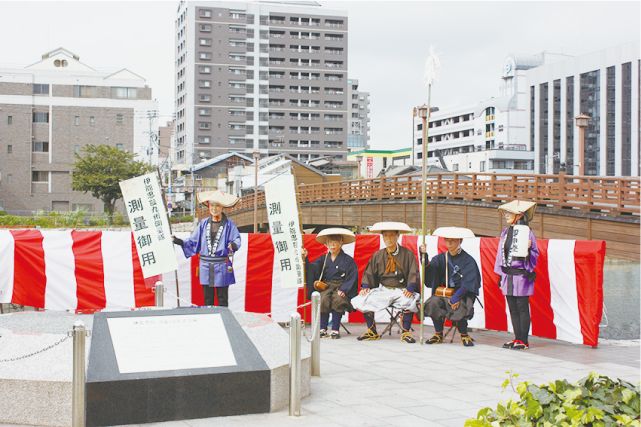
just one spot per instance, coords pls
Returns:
(119, 119)
(9, 178)
(77, 120)
(91, 121)
(76, 149)
(455, 167)
(9, 149)
(205, 56)
(124, 92)
(205, 27)
(39, 176)
(41, 147)
(40, 89)
(205, 98)
(204, 112)
(482, 166)
(205, 42)
(9, 120)
(204, 83)
(204, 140)
(206, 70)
(205, 13)
(119, 146)
(41, 117)
(204, 125)
(84, 91)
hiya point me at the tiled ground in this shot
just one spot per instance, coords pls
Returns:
(390, 383)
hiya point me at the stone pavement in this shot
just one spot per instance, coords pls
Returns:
(390, 383)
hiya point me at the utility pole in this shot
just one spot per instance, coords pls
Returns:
(153, 138)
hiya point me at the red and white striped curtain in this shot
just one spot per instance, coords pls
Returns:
(89, 270)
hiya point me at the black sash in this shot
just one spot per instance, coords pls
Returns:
(514, 271)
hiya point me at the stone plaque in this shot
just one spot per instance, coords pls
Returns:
(166, 343)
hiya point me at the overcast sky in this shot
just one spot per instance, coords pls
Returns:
(388, 45)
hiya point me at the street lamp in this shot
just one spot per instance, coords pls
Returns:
(582, 122)
(359, 159)
(256, 155)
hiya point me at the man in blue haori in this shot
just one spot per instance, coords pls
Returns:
(214, 239)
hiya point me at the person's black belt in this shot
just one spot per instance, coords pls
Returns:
(214, 259)
(513, 271)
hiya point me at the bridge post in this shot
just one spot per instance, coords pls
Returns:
(562, 180)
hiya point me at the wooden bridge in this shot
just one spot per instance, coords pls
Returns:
(569, 207)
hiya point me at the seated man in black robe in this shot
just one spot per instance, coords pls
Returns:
(457, 270)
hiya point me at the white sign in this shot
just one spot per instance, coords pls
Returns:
(282, 212)
(167, 343)
(149, 224)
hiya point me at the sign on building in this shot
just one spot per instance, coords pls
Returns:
(282, 212)
(370, 167)
(148, 218)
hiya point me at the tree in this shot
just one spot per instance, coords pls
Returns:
(100, 170)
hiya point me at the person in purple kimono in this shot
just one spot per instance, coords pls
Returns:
(214, 239)
(517, 273)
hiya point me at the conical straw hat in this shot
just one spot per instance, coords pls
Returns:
(520, 207)
(453, 233)
(217, 196)
(348, 236)
(401, 227)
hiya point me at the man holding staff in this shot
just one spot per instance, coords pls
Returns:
(390, 279)
(335, 276)
(455, 282)
(214, 239)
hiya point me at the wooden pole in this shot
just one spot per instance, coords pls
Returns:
(162, 193)
(424, 197)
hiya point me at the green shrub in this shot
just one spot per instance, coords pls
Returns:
(3, 213)
(593, 401)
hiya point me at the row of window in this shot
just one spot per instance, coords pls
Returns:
(44, 118)
(265, 20)
(43, 147)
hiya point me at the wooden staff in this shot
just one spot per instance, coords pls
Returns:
(162, 193)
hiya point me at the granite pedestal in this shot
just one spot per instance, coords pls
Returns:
(37, 390)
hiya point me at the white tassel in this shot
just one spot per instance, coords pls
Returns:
(432, 67)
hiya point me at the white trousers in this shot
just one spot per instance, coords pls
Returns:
(380, 298)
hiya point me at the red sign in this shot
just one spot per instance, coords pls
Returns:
(370, 167)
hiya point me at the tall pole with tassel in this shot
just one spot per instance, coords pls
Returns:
(432, 66)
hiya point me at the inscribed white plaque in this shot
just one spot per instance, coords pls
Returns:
(282, 212)
(167, 343)
(148, 218)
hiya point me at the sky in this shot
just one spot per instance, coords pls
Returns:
(388, 45)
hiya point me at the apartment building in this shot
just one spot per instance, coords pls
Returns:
(485, 136)
(603, 85)
(51, 110)
(266, 76)
(358, 133)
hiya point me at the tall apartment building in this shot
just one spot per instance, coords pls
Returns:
(358, 133)
(260, 76)
(51, 110)
(603, 85)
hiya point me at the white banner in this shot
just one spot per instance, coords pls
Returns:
(282, 211)
(148, 218)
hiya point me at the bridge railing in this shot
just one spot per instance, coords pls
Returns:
(609, 194)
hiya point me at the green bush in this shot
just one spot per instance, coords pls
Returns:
(593, 401)
(3, 213)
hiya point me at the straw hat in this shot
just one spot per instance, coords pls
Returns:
(520, 207)
(453, 233)
(217, 196)
(401, 227)
(348, 236)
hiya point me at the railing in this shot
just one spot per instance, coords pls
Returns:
(610, 194)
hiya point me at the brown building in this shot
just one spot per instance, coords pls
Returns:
(51, 110)
(267, 76)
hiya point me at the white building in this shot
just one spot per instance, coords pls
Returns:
(52, 109)
(358, 133)
(605, 86)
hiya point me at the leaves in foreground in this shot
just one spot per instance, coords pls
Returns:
(595, 400)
